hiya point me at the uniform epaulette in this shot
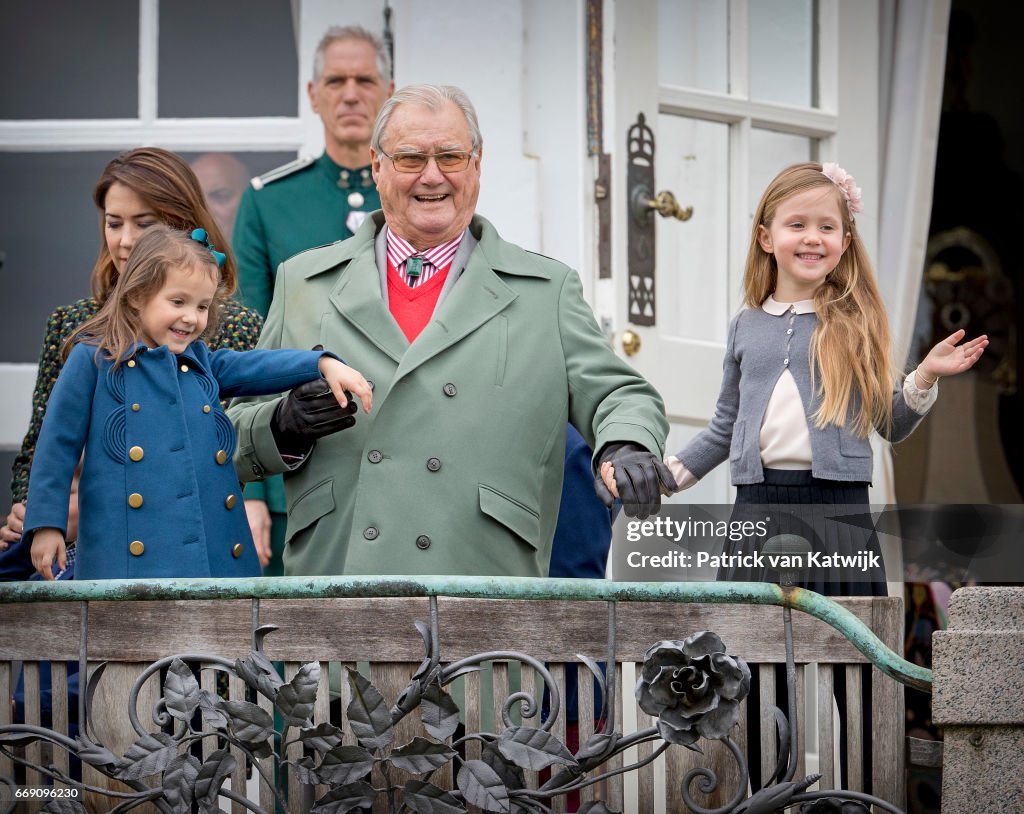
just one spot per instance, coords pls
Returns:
(283, 171)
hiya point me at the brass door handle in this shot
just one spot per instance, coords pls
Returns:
(630, 342)
(666, 205)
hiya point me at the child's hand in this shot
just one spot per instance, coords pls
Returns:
(947, 358)
(47, 544)
(608, 476)
(341, 377)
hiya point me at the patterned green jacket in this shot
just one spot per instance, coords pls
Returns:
(238, 330)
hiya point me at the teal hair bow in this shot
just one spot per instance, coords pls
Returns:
(200, 236)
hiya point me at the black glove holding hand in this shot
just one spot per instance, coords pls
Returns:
(308, 412)
(641, 477)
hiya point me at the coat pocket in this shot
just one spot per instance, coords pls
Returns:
(517, 517)
(309, 507)
(850, 446)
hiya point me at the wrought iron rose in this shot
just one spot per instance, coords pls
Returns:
(693, 687)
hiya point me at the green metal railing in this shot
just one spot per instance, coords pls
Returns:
(529, 588)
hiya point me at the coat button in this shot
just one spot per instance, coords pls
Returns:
(450, 389)
(135, 500)
(371, 384)
(136, 453)
(236, 550)
(206, 408)
(257, 470)
(131, 363)
(136, 408)
(423, 542)
(136, 548)
(229, 502)
(371, 533)
(184, 368)
(221, 456)
(434, 464)
(375, 456)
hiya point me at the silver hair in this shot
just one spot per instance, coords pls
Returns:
(351, 32)
(433, 97)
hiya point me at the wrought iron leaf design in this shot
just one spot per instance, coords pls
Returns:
(368, 713)
(420, 756)
(426, 798)
(482, 787)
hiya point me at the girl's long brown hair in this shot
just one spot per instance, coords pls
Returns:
(851, 347)
(165, 182)
(116, 328)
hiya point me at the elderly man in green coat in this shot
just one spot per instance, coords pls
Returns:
(479, 353)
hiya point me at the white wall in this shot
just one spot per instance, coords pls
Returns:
(521, 62)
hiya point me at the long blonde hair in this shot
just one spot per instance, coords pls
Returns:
(851, 348)
(116, 327)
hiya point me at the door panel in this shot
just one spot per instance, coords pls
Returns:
(733, 92)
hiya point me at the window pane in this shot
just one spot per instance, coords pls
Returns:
(224, 176)
(781, 52)
(52, 65)
(770, 153)
(693, 44)
(49, 237)
(692, 256)
(228, 58)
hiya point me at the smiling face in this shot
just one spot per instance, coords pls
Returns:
(348, 95)
(178, 313)
(430, 207)
(807, 239)
(125, 216)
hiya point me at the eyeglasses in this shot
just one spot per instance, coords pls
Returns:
(448, 161)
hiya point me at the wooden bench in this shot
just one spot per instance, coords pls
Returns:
(379, 636)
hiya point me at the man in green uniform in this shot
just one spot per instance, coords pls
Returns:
(310, 202)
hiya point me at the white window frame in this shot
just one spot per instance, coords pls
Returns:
(235, 134)
(252, 133)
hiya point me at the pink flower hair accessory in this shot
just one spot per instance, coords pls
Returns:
(847, 186)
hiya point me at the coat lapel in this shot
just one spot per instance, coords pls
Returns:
(357, 297)
(478, 296)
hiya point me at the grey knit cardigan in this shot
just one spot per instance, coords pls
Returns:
(761, 346)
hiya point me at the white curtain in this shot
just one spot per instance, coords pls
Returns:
(913, 58)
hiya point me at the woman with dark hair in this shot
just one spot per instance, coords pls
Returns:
(136, 190)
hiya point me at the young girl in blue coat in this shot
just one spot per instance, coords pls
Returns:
(140, 393)
(808, 374)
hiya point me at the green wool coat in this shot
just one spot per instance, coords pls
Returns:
(458, 469)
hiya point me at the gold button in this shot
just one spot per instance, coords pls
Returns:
(136, 548)
(136, 408)
(135, 453)
(131, 363)
(135, 500)
(221, 456)
(184, 368)
(230, 501)
(236, 550)
(206, 408)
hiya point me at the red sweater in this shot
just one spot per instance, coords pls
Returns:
(412, 308)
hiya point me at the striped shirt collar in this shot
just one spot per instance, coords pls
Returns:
(400, 250)
(777, 309)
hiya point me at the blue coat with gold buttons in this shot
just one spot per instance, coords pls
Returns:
(159, 496)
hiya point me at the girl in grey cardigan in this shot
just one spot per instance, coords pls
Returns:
(808, 374)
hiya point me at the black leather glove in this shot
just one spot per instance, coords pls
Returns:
(310, 411)
(640, 476)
